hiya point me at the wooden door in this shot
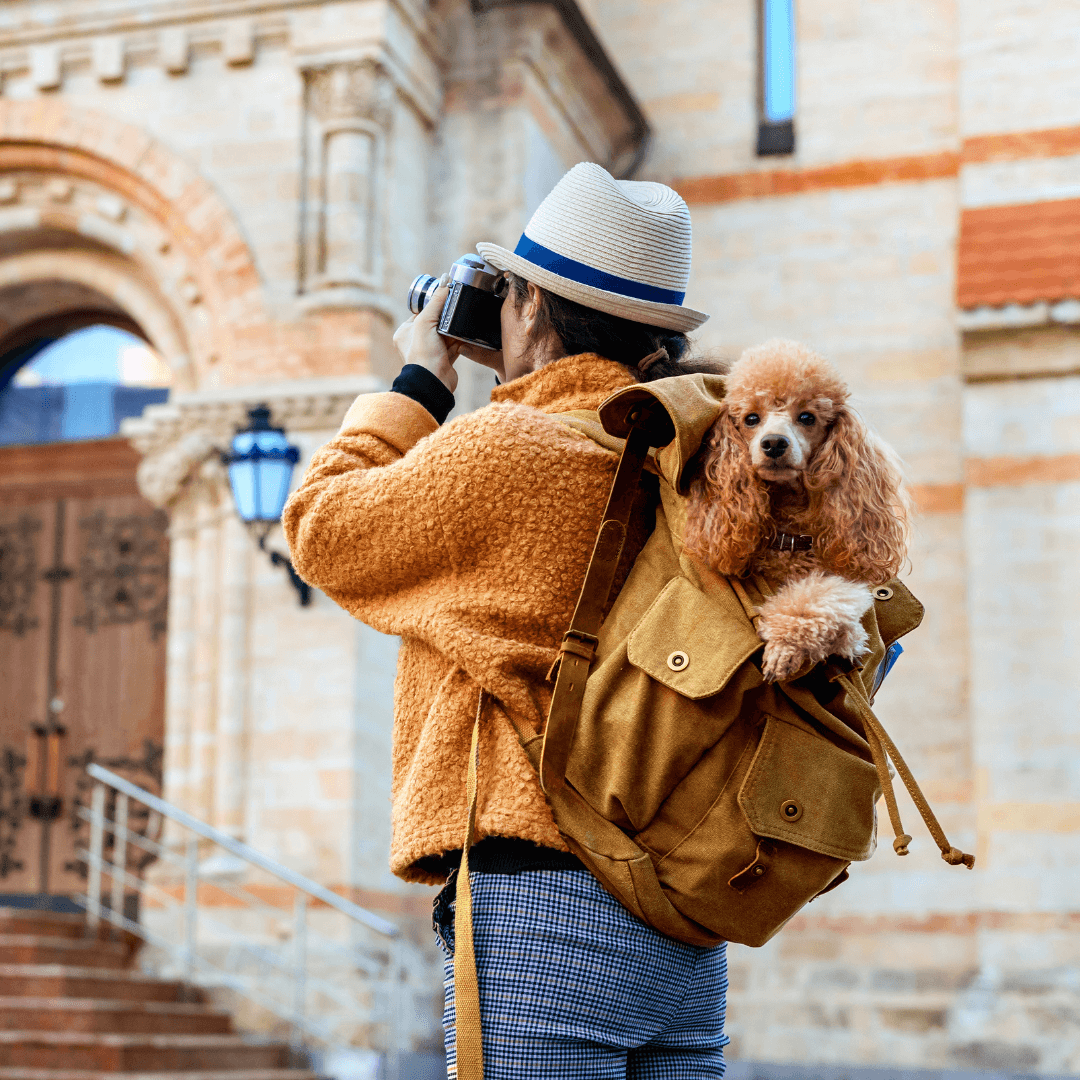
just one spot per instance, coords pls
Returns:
(83, 593)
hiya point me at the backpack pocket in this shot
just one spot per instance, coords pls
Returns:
(663, 695)
(806, 791)
(690, 642)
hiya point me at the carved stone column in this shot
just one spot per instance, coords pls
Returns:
(235, 695)
(351, 108)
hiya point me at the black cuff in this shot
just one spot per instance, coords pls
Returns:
(425, 388)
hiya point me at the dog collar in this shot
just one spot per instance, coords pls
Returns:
(786, 542)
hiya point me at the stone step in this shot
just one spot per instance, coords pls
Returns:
(58, 924)
(75, 952)
(20, 1073)
(61, 980)
(134, 1053)
(104, 1015)
(51, 923)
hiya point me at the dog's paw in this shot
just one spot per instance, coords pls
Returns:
(782, 661)
(810, 619)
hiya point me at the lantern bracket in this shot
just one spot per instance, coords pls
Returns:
(277, 559)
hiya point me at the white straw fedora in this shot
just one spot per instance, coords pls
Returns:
(619, 246)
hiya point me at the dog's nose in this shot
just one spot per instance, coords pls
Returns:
(774, 446)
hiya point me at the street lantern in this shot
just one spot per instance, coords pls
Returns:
(260, 465)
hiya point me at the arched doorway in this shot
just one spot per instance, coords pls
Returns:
(83, 584)
(100, 227)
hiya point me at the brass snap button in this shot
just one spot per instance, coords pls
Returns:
(759, 870)
(678, 661)
(790, 810)
(883, 592)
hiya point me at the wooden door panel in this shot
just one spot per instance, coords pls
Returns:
(26, 532)
(93, 666)
(111, 665)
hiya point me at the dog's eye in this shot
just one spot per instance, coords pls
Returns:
(807, 419)
(752, 419)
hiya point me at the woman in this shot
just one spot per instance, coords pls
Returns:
(471, 541)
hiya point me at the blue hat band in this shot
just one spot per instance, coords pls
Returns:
(588, 275)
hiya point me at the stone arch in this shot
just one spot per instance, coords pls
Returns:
(98, 204)
(104, 291)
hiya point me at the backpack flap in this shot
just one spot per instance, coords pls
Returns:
(690, 642)
(691, 404)
(803, 789)
(896, 610)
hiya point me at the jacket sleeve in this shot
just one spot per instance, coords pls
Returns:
(365, 522)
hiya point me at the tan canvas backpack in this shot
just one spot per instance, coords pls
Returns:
(711, 804)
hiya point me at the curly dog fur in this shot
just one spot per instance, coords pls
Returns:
(789, 457)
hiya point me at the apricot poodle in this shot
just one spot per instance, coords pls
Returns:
(793, 487)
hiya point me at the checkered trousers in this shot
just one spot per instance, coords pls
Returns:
(573, 987)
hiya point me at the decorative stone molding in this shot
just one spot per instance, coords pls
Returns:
(74, 156)
(164, 475)
(181, 440)
(106, 43)
(239, 42)
(45, 66)
(344, 93)
(108, 58)
(175, 50)
(351, 105)
(93, 215)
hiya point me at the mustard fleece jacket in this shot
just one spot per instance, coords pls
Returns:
(470, 541)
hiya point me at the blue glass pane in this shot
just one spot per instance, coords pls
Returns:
(266, 442)
(31, 414)
(269, 441)
(779, 54)
(274, 476)
(88, 411)
(131, 400)
(242, 482)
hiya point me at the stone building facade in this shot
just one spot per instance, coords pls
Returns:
(252, 184)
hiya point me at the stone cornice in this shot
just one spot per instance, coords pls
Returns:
(139, 15)
(181, 439)
(400, 39)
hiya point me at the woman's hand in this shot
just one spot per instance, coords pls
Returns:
(489, 358)
(418, 342)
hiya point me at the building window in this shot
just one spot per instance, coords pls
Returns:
(776, 77)
(80, 386)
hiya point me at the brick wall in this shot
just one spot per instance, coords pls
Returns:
(906, 113)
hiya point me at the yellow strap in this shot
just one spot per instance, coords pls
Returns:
(470, 1047)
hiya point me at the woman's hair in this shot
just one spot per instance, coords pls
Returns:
(581, 329)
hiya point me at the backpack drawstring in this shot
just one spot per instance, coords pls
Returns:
(880, 744)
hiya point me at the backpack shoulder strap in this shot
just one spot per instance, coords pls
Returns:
(579, 642)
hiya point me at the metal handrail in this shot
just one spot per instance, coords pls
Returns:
(166, 855)
(306, 944)
(242, 851)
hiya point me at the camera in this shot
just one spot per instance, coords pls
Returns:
(471, 311)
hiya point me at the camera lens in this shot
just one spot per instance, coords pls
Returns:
(421, 292)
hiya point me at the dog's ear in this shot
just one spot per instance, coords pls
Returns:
(728, 515)
(858, 503)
